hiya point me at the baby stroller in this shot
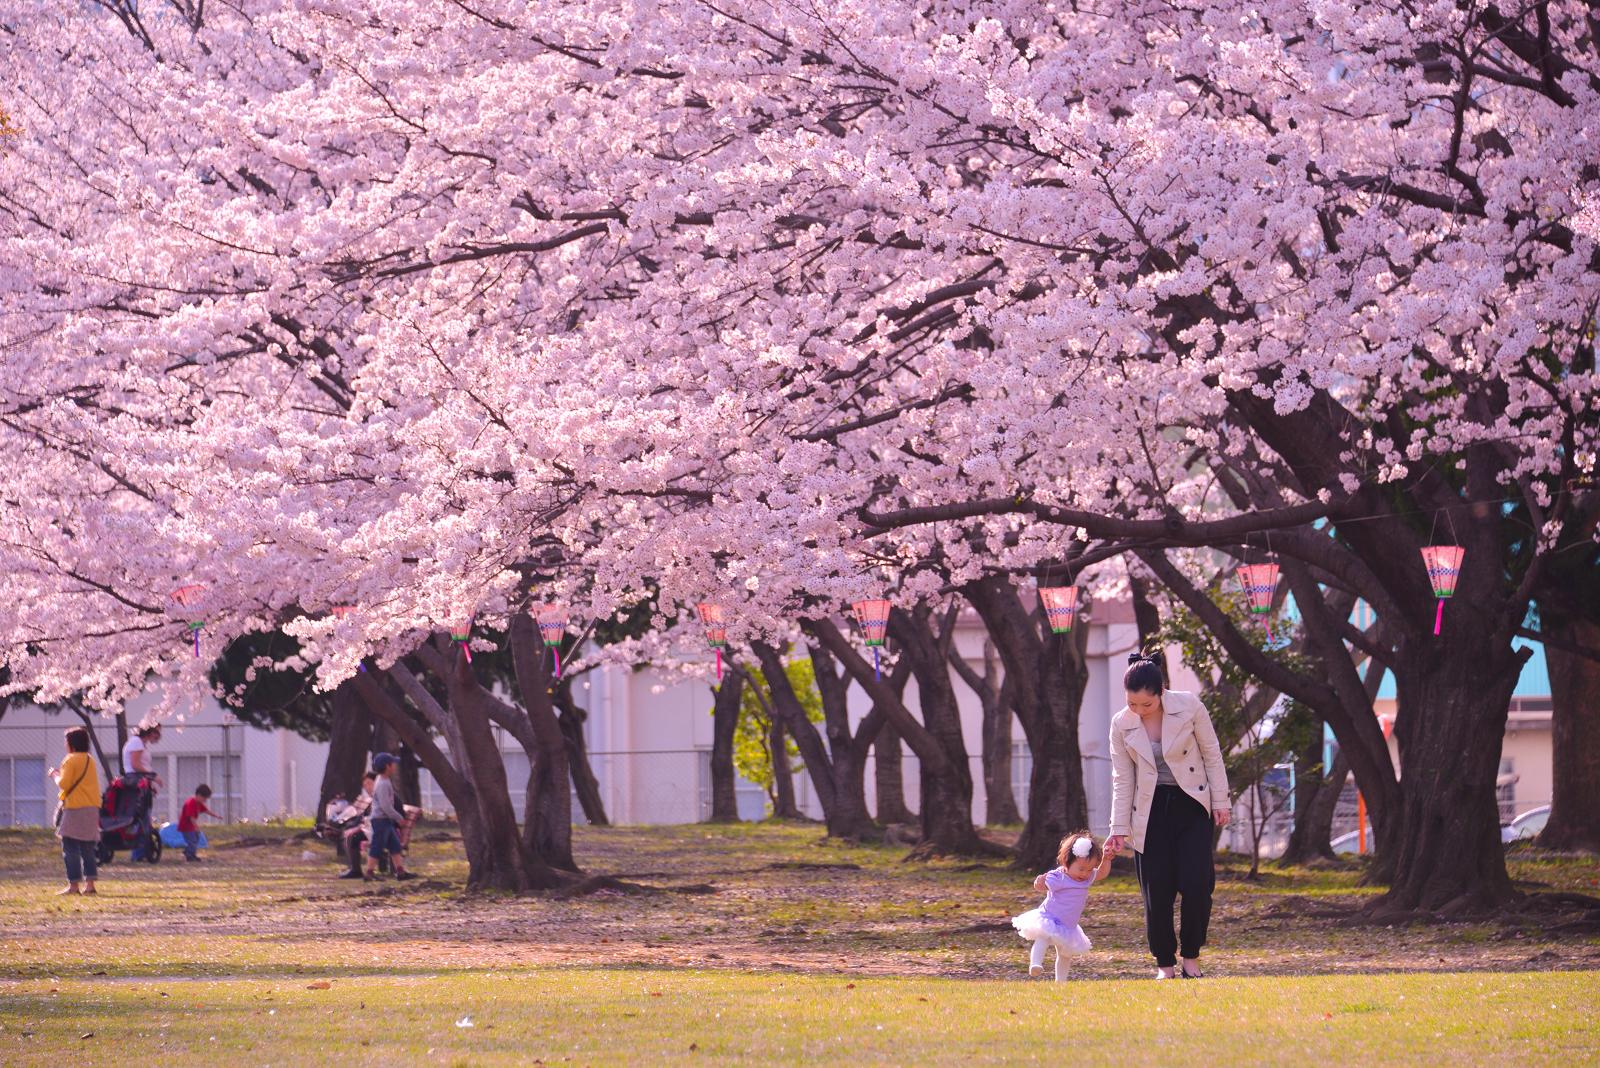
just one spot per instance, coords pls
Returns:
(125, 821)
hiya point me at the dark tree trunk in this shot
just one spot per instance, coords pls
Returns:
(547, 820)
(947, 785)
(1452, 720)
(584, 781)
(783, 806)
(724, 722)
(510, 864)
(847, 816)
(1000, 802)
(1316, 800)
(1000, 798)
(1574, 736)
(888, 773)
(837, 771)
(789, 717)
(1336, 691)
(387, 711)
(946, 816)
(1049, 675)
(349, 739)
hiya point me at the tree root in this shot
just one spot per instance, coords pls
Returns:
(982, 847)
(594, 884)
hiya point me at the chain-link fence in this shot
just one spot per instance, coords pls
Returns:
(183, 759)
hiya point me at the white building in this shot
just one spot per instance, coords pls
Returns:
(649, 736)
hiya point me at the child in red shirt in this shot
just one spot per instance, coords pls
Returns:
(189, 820)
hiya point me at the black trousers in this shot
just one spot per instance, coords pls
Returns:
(1177, 859)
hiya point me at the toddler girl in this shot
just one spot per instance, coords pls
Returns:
(1055, 922)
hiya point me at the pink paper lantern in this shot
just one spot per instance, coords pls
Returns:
(462, 633)
(715, 620)
(1444, 570)
(1060, 606)
(552, 620)
(872, 615)
(188, 595)
(1260, 582)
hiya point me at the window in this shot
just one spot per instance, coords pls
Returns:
(222, 773)
(22, 792)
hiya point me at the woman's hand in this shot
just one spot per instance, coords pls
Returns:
(1222, 816)
(1116, 844)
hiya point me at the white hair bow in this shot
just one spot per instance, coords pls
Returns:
(1083, 847)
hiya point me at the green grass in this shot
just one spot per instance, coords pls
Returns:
(767, 942)
(616, 1015)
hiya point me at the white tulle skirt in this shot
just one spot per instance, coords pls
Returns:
(1035, 925)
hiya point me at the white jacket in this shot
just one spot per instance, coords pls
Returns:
(1188, 745)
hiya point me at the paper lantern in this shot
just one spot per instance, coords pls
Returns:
(1060, 606)
(715, 619)
(1260, 582)
(463, 633)
(1444, 569)
(552, 628)
(873, 617)
(185, 596)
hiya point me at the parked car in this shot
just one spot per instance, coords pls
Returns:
(1527, 825)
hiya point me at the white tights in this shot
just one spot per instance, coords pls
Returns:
(1036, 959)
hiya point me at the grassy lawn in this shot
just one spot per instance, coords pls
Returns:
(764, 942)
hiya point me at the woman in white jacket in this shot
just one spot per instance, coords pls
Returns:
(1168, 788)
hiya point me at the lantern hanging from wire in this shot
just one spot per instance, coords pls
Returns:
(1060, 607)
(873, 617)
(714, 618)
(1444, 569)
(185, 596)
(462, 633)
(552, 619)
(1260, 582)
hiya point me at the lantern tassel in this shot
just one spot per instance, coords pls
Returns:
(466, 650)
(719, 664)
(1271, 641)
(556, 649)
(197, 642)
(876, 673)
(1438, 618)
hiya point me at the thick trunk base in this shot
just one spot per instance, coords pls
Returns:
(1574, 740)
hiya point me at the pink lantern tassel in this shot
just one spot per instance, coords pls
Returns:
(556, 649)
(1438, 618)
(466, 650)
(1270, 639)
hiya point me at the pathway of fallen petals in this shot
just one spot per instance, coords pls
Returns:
(765, 897)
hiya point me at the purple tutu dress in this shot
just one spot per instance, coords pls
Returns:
(1055, 921)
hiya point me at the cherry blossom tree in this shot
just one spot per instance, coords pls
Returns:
(436, 308)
